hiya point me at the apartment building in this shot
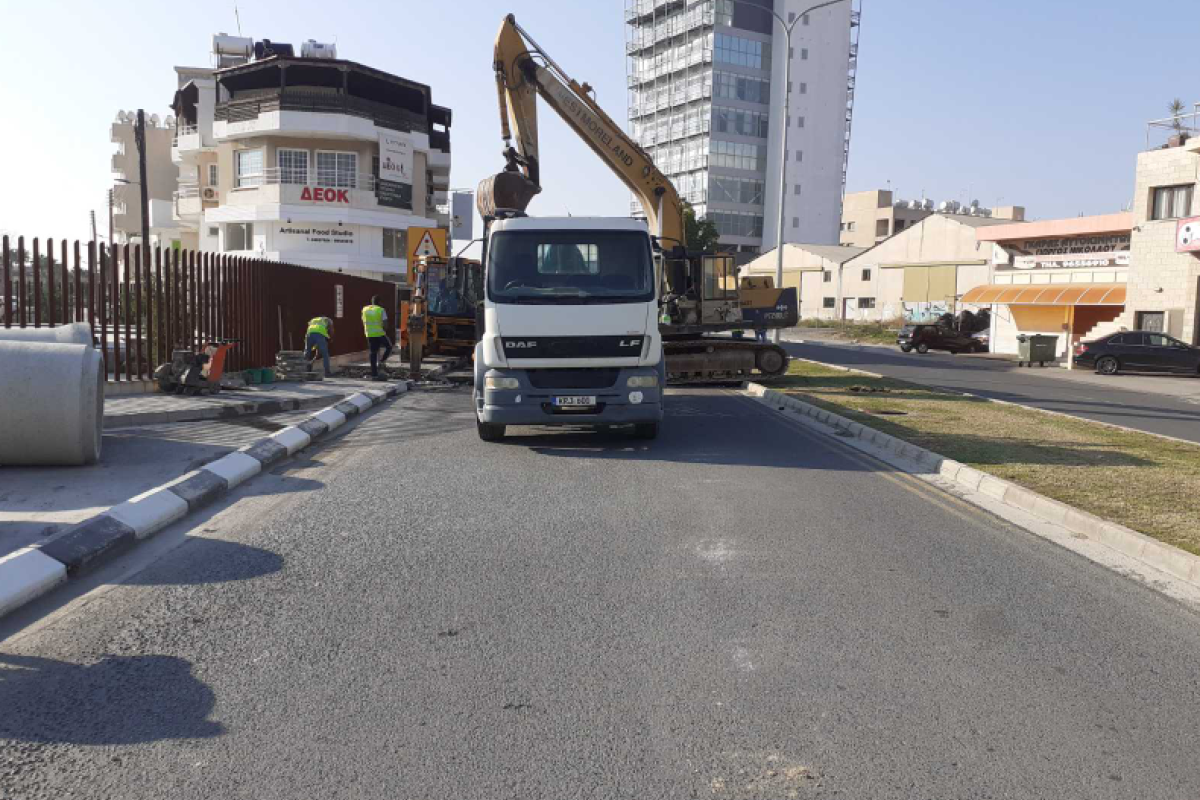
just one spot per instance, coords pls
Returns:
(707, 83)
(870, 217)
(125, 200)
(308, 159)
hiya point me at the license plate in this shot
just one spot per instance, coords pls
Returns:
(575, 401)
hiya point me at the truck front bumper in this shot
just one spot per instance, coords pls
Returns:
(618, 404)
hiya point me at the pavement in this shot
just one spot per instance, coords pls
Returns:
(740, 609)
(1164, 404)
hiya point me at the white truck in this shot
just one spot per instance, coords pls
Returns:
(570, 326)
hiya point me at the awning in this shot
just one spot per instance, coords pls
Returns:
(1055, 294)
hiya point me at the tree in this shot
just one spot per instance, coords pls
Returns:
(1176, 108)
(701, 234)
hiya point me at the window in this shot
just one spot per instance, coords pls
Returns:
(741, 52)
(803, 53)
(852, 225)
(239, 236)
(804, 20)
(799, 155)
(1171, 202)
(568, 267)
(293, 165)
(1158, 340)
(728, 189)
(737, 223)
(827, 277)
(881, 227)
(214, 175)
(337, 170)
(797, 188)
(572, 259)
(866, 274)
(249, 166)
(214, 231)
(743, 123)
(803, 87)
(791, 17)
(395, 241)
(799, 122)
(829, 302)
(866, 302)
(795, 222)
(1151, 321)
(898, 226)
(740, 87)
(735, 155)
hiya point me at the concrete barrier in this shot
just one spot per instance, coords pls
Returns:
(52, 406)
(75, 333)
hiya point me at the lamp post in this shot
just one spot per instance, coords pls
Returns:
(783, 140)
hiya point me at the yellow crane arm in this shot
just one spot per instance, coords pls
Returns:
(524, 71)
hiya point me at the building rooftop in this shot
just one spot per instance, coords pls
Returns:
(1121, 222)
(838, 254)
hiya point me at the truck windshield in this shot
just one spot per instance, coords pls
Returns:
(570, 267)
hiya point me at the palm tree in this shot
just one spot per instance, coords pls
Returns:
(1176, 108)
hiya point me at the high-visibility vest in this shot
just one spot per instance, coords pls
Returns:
(318, 325)
(373, 321)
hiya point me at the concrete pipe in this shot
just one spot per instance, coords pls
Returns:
(52, 403)
(75, 333)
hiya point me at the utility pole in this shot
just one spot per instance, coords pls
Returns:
(93, 214)
(783, 140)
(139, 135)
(110, 217)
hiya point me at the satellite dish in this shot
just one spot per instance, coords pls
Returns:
(154, 120)
(122, 117)
(169, 122)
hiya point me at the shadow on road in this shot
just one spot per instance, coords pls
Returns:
(203, 561)
(117, 700)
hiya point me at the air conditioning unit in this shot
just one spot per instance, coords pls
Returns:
(210, 193)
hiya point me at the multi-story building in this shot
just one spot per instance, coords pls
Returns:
(870, 217)
(161, 175)
(309, 159)
(707, 83)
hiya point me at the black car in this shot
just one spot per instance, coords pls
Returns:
(1138, 351)
(924, 337)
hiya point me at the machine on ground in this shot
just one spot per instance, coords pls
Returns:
(195, 373)
(439, 317)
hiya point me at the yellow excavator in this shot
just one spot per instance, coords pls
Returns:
(700, 292)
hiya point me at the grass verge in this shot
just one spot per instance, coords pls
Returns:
(873, 332)
(1143, 482)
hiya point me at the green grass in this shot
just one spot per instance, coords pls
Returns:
(1144, 482)
(873, 332)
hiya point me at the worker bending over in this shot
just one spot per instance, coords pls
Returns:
(375, 326)
(320, 331)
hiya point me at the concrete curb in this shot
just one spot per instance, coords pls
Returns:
(1177, 563)
(32, 571)
(224, 411)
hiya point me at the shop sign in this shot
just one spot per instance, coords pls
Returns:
(1082, 260)
(319, 194)
(1187, 235)
(321, 236)
(339, 300)
(394, 188)
(1107, 243)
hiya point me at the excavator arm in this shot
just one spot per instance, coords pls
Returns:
(523, 72)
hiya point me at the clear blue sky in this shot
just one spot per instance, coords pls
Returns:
(1039, 103)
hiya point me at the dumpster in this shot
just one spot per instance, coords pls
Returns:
(1038, 347)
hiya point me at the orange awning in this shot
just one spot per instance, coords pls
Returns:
(1052, 294)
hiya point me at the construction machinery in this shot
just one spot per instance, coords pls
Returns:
(698, 294)
(194, 373)
(439, 318)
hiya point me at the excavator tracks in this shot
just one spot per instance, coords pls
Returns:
(714, 362)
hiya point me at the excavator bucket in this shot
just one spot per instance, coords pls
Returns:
(504, 190)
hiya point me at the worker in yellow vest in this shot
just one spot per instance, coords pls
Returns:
(375, 326)
(316, 342)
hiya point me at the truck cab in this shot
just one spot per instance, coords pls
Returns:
(570, 326)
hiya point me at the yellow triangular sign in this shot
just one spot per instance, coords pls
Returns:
(426, 248)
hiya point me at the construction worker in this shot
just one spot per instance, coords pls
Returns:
(320, 331)
(375, 326)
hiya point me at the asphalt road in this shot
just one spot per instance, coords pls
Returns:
(1169, 405)
(737, 610)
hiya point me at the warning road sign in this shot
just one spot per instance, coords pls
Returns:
(426, 243)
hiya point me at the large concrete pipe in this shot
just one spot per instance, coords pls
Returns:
(51, 403)
(75, 333)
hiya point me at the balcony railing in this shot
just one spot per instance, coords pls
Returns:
(672, 26)
(183, 130)
(246, 107)
(1160, 132)
(274, 176)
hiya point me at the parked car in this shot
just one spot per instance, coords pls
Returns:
(983, 341)
(1138, 351)
(924, 337)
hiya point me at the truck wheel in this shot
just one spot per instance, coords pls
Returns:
(922, 348)
(906, 348)
(645, 430)
(489, 431)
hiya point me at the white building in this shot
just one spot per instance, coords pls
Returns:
(125, 200)
(707, 81)
(311, 160)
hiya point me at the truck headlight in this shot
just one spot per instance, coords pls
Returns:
(497, 382)
(642, 381)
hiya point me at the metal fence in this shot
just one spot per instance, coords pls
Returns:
(142, 308)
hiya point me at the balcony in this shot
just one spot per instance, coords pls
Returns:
(1174, 131)
(189, 202)
(276, 187)
(243, 115)
(119, 164)
(677, 25)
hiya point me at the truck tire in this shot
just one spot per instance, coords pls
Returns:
(489, 431)
(922, 348)
(645, 430)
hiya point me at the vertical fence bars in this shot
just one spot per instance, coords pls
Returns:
(7, 287)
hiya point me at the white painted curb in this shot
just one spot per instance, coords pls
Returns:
(25, 574)
(292, 438)
(361, 400)
(235, 468)
(331, 417)
(150, 512)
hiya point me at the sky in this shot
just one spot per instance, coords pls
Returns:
(1025, 102)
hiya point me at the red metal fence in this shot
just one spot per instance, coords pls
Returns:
(140, 309)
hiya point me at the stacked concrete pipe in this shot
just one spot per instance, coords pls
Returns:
(52, 404)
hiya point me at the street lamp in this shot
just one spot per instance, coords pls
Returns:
(783, 140)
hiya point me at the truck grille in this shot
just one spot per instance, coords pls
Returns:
(586, 378)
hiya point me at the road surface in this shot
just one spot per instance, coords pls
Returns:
(1164, 404)
(740, 609)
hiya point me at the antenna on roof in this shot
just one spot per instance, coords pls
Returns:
(238, 18)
